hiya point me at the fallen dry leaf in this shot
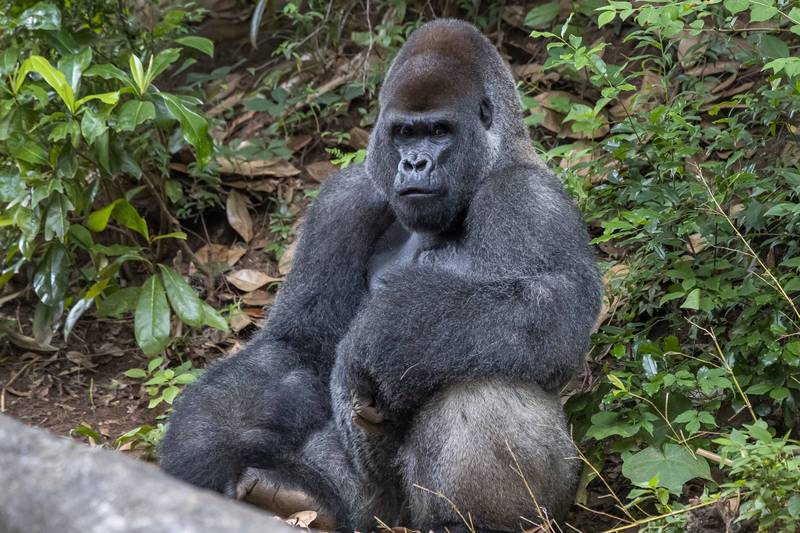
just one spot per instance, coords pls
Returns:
(320, 170)
(262, 167)
(713, 68)
(359, 138)
(238, 215)
(302, 518)
(298, 142)
(239, 321)
(697, 243)
(267, 185)
(285, 262)
(258, 298)
(249, 280)
(534, 72)
(219, 253)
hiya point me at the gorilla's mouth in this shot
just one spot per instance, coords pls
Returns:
(419, 192)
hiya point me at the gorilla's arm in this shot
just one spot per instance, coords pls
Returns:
(262, 402)
(429, 326)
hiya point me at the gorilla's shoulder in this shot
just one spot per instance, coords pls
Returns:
(347, 190)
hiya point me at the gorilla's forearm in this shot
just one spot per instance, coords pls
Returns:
(533, 328)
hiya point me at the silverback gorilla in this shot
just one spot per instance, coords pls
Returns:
(441, 295)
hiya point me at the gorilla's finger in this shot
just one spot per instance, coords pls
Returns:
(366, 425)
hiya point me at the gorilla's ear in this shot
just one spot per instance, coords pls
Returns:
(487, 113)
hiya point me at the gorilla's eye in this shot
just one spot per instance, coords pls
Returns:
(440, 130)
(406, 132)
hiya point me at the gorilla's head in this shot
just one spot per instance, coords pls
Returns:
(448, 108)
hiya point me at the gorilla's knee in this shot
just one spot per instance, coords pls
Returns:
(498, 451)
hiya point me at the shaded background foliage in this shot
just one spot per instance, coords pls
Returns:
(155, 166)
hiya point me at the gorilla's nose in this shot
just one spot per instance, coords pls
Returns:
(416, 167)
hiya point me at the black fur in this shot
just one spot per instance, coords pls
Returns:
(468, 327)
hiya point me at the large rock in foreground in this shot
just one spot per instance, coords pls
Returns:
(52, 484)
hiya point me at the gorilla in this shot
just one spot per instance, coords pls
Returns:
(441, 295)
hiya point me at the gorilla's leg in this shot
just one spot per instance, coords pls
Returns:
(321, 478)
(246, 411)
(473, 443)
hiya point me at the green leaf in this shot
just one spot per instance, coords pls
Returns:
(772, 47)
(8, 60)
(136, 373)
(154, 363)
(606, 424)
(52, 275)
(605, 17)
(151, 321)
(194, 127)
(51, 75)
(184, 300)
(170, 393)
(24, 148)
(93, 125)
(80, 307)
(673, 466)
(542, 16)
(133, 113)
(110, 98)
(56, 223)
(198, 43)
(11, 185)
(736, 6)
(692, 300)
(119, 303)
(73, 65)
(762, 10)
(123, 212)
(161, 62)
(42, 16)
(108, 71)
(212, 318)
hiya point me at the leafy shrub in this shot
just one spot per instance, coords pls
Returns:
(86, 136)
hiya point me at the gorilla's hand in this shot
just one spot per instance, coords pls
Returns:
(366, 414)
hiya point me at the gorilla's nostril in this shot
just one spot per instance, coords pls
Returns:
(407, 165)
(421, 165)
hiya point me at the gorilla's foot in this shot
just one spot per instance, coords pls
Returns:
(262, 489)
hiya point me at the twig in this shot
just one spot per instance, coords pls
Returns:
(177, 226)
(662, 516)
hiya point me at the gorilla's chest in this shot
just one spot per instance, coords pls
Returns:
(399, 248)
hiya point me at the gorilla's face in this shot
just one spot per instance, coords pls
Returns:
(431, 160)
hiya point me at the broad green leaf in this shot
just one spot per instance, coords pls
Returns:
(772, 47)
(45, 318)
(606, 424)
(212, 318)
(24, 148)
(134, 112)
(136, 373)
(198, 43)
(543, 15)
(123, 212)
(51, 75)
(151, 321)
(762, 10)
(674, 466)
(93, 125)
(174, 235)
(11, 185)
(161, 62)
(56, 223)
(42, 16)
(110, 98)
(170, 393)
(183, 298)
(73, 65)
(605, 17)
(8, 60)
(80, 307)
(137, 73)
(108, 71)
(154, 363)
(736, 6)
(692, 300)
(119, 303)
(52, 275)
(194, 127)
